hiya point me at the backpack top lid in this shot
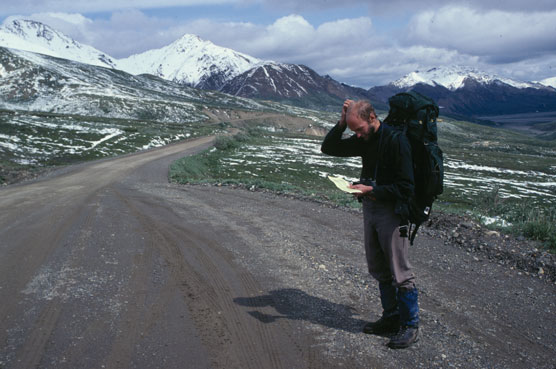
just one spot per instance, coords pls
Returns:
(406, 106)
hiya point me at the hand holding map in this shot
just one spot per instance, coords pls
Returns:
(342, 184)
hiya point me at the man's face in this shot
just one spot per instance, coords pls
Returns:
(361, 127)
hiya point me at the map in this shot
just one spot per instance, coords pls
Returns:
(342, 184)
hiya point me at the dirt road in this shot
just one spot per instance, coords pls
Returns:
(106, 265)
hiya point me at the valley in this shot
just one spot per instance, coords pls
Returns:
(172, 208)
(542, 125)
(147, 223)
(105, 263)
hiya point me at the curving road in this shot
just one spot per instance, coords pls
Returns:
(97, 273)
(107, 265)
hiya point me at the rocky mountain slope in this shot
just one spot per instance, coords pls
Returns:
(38, 82)
(291, 83)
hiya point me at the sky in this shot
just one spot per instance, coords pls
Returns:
(361, 43)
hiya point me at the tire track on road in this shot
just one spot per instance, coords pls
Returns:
(210, 281)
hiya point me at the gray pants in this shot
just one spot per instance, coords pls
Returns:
(386, 251)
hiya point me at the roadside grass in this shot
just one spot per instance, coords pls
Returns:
(31, 141)
(266, 165)
(288, 163)
(525, 217)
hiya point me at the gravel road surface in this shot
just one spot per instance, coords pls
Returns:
(107, 265)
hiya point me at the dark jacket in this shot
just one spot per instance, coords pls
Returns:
(394, 177)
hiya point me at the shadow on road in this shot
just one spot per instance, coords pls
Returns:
(295, 304)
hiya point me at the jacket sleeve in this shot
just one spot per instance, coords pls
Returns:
(403, 186)
(335, 145)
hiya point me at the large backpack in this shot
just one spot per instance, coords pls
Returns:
(415, 115)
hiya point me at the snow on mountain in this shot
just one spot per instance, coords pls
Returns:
(292, 83)
(271, 78)
(29, 35)
(38, 82)
(550, 82)
(454, 78)
(191, 61)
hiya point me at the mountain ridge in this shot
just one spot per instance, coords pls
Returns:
(467, 92)
(454, 78)
(244, 62)
(33, 36)
(296, 84)
(191, 61)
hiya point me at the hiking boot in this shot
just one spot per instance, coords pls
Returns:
(384, 325)
(406, 336)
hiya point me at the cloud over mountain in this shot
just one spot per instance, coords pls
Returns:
(400, 6)
(366, 44)
(498, 36)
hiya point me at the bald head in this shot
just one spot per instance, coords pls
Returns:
(361, 108)
(361, 119)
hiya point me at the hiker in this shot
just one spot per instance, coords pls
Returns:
(386, 182)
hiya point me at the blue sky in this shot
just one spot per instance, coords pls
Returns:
(362, 43)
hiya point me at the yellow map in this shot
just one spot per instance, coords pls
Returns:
(342, 184)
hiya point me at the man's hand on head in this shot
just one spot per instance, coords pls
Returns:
(343, 121)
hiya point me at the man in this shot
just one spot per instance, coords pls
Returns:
(386, 185)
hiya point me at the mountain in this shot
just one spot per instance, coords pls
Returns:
(37, 37)
(293, 84)
(550, 82)
(453, 78)
(188, 60)
(467, 92)
(55, 111)
(37, 82)
(191, 61)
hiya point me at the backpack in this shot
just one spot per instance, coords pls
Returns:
(415, 116)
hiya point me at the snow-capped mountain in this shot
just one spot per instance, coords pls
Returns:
(29, 35)
(550, 82)
(455, 77)
(192, 61)
(189, 60)
(296, 84)
(468, 92)
(40, 83)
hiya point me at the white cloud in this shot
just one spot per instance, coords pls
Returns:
(383, 65)
(409, 6)
(350, 50)
(91, 6)
(292, 38)
(124, 33)
(293, 6)
(496, 36)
